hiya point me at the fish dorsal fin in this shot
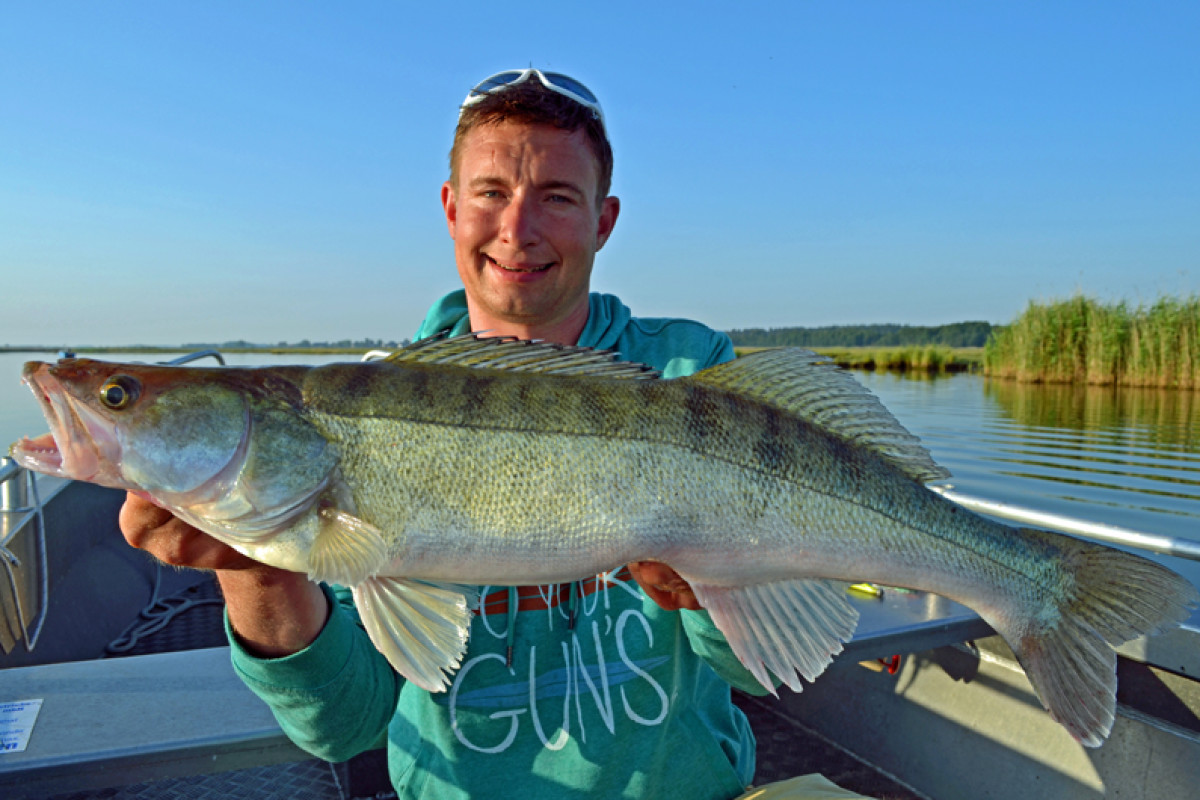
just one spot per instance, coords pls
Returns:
(814, 388)
(520, 355)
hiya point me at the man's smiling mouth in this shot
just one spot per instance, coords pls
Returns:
(515, 268)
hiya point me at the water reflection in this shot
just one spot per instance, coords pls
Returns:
(1160, 417)
(1127, 457)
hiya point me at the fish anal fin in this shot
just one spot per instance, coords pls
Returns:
(1068, 656)
(421, 628)
(347, 549)
(790, 629)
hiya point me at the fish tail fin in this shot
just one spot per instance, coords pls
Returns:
(1111, 597)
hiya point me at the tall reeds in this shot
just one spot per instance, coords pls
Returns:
(1081, 340)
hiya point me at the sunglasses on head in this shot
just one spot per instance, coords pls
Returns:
(554, 81)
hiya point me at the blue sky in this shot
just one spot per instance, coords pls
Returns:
(204, 171)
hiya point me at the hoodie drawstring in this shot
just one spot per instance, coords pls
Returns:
(572, 602)
(513, 606)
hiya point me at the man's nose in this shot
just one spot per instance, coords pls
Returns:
(519, 224)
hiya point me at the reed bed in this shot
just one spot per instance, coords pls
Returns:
(1082, 340)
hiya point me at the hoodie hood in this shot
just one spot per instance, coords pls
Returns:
(607, 319)
(675, 347)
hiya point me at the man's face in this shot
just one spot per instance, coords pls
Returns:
(526, 225)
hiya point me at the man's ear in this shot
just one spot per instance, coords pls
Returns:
(450, 207)
(610, 209)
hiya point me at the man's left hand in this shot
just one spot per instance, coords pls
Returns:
(664, 585)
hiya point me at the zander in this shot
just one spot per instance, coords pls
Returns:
(496, 461)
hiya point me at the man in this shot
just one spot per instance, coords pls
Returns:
(586, 690)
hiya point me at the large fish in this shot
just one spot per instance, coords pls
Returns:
(489, 461)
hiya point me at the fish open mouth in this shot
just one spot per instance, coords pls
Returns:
(40, 453)
(70, 449)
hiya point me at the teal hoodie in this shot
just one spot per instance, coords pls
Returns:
(589, 690)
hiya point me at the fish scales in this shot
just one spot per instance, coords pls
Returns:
(487, 461)
(495, 460)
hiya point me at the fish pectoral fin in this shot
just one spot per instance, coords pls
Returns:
(792, 628)
(421, 628)
(347, 550)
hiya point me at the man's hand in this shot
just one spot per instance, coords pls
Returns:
(274, 612)
(664, 586)
(171, 540)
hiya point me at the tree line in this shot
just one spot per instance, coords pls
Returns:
(957, 334)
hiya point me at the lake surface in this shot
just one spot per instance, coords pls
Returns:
(1128, 457)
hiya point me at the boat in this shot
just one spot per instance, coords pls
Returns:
(115, 681)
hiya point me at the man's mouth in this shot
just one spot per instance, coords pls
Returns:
(520, 267)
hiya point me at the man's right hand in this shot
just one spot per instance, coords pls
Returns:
(171, 540)
(274, 612)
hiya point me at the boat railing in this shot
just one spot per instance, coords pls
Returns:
(1112, 534)
(196, 356)
(27, 584)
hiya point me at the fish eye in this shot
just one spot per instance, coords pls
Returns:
(119, 391)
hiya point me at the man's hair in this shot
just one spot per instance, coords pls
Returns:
(531, 103)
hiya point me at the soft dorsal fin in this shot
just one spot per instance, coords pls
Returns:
(520, 355)
(813, 387)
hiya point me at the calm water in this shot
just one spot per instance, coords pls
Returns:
(1128, 457)
(1123, 457)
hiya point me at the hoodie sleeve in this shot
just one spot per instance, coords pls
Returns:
(335, 698)
(710, 645)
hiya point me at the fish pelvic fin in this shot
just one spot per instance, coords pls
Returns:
(421, 628)
(347, 549)
(519, 355)
(791, 629)
(1068, 656)
(812, 387)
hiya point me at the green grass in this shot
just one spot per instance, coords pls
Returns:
(1082, 340)
(911, 358)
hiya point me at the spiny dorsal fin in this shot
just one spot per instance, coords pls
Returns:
(520, 355)
(813, 387)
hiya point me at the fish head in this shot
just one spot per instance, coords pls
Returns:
(225, 449)
(131, 426)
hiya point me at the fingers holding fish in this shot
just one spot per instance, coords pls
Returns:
(272, 611)
(664, 586)
(160, 533)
